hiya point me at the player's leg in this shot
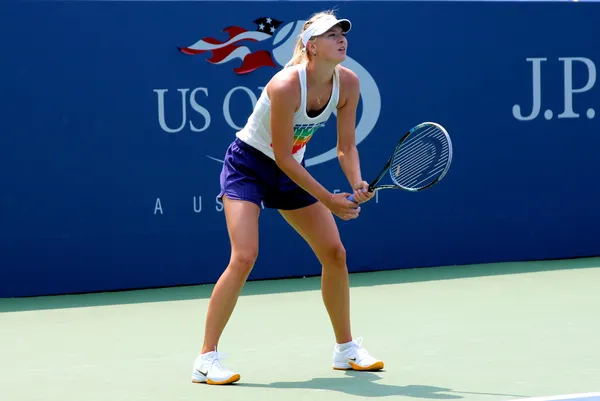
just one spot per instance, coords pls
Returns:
(316, 224)
(242, 191)
(242, 226)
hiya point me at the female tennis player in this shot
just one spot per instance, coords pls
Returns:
(266, 163)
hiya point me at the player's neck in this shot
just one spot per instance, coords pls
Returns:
(320, 73)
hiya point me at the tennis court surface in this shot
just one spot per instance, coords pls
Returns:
(492, 332)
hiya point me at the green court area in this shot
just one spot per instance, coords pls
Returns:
(483, 332)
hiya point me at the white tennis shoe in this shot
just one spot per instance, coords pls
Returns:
(355, 357)
(208, 369)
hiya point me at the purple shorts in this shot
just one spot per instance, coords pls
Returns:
(250, 175)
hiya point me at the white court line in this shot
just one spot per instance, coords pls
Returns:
(563, 397)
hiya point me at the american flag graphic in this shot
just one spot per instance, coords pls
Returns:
(231, 49)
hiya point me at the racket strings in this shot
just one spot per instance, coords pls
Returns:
(438, 168)
(421, 158)
(413, 155)
(406, 155)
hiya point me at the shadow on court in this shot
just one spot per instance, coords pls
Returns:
(364, 384)
(292, 285)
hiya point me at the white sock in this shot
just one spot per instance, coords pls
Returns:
(344, 346)
(203, 355)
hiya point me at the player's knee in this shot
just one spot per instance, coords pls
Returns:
(243, 260)
(336, 256)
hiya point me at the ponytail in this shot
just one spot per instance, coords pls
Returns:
(299, 55)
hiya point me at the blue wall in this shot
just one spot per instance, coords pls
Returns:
(109, 134)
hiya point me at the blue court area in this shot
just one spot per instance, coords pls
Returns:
(113, 184)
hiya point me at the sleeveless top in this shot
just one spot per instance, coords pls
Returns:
(257, 131)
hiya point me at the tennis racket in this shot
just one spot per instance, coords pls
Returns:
(420, 160)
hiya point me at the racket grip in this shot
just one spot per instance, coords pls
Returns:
(351, 198)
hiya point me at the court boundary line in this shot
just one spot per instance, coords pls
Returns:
(562, 397)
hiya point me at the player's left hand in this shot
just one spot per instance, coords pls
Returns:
(361, 192)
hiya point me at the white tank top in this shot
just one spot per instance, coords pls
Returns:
(257, 132)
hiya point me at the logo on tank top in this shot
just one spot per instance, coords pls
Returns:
(302, 134)
(272, 43)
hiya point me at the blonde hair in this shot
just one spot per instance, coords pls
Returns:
(299, 56)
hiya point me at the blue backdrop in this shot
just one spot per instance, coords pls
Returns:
(112, 137)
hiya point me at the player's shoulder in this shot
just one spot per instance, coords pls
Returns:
(349, 87)
(348, 78)
(285, 83)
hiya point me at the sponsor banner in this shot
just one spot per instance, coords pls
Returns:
(116, 117)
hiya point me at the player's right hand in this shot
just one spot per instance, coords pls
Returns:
(342, 207)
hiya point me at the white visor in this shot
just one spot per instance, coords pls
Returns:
(322, 25)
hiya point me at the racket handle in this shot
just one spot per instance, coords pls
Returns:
(351, 197)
